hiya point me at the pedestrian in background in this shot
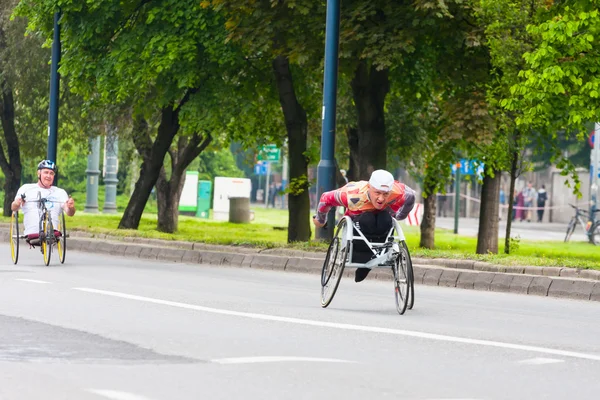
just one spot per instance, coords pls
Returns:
(542, 197)
(529, 195)
(518, 203)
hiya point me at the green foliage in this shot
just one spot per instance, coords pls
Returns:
(297, 185)
(214, 162)
(560, 84)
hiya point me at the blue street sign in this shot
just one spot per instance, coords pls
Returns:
(469, 167)
(260, 168)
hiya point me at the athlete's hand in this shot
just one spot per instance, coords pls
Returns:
(70, 202)
(317, 223)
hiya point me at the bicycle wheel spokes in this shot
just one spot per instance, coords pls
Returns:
(570, 230)
(333, 267)
(14, 236)
(401, 280)
(47, 238)
(61, 240)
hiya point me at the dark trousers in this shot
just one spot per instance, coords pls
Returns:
(375, 226)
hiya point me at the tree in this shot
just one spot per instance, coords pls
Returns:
(24, 74)
(508, 39)
(284, 33)
(156, 57)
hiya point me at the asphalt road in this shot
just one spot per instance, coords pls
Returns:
(102, 327)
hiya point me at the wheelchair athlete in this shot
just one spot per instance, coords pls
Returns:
(29, 191)
(371, 204)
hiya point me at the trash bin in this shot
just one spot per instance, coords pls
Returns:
(203, 205)
(239, 210)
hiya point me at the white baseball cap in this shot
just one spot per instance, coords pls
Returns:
(381, 180)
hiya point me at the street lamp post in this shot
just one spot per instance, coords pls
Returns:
(54, 92)
(326, 167)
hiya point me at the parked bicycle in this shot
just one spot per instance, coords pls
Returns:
(590, 226)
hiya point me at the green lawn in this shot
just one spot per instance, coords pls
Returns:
(269, 229)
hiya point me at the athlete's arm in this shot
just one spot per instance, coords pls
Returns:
(407, 204)
(18, 201)
(333, 198)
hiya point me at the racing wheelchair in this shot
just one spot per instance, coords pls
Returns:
(392, 253)
(49, 237)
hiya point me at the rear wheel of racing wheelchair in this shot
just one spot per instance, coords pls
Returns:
(335, 261)
(14, 236)
(61, 240)
(47, 237)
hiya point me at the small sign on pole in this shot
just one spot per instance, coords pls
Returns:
(269, 152)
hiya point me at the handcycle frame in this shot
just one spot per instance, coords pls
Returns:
(393, 253)
(46, 238)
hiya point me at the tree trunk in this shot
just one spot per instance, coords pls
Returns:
(369, 88)
(297, 128)
(11, 166)
(153, 155)
(352, 173)
(429, 213)
(168, 191)
(487, 238)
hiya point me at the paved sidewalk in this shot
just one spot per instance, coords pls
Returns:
(467, 274)
(525, 230)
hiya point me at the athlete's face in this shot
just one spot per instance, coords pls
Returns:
(378, 198)
(46, 177)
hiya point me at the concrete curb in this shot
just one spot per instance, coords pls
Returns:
(465, 274)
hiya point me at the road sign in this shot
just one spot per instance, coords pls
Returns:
(468, 167)
(260, 168)
(269, 152)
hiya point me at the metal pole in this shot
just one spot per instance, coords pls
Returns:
(111, 168)
(594, 172)
(267, 180)
(326, 167)
(92, 171)
(456, 197)
(284, 176)
(54, 92)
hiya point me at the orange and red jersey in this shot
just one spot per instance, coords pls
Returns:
(355, 198)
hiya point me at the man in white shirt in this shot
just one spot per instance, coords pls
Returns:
(58, 199)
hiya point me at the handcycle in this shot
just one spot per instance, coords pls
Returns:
(48, 236)
(393, 253)
(591, 227)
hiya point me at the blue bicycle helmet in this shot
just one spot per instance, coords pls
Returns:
(47, 164)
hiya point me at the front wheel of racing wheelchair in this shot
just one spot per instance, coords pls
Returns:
(335, 261)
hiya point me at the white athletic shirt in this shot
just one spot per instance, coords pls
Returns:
(31, 214)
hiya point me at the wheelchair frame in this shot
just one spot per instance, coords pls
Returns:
(393, 253)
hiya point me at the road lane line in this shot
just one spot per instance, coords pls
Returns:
(350, 327)
(117, 395)
(31, 280)
(540, 361)
(267, 359)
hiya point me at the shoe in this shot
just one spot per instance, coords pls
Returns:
(361, 274)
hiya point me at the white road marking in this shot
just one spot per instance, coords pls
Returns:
(117, 395)
(32, 280)
(540, 361)
(350, 327)
(267, 359)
